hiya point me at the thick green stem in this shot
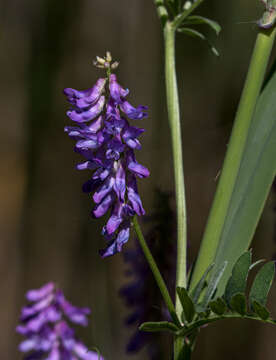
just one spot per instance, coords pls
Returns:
(174, 121)
(234, 154)
(178, 348)
(154, 268)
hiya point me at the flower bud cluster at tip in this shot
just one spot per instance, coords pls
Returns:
(44, 323)
(105, 138)
(106, 62)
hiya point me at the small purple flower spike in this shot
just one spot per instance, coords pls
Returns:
(44, 324)
(107, 141)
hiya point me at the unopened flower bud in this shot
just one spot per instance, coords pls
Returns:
(108, 56)
(115, 65)
(100, 60)
(187, 5)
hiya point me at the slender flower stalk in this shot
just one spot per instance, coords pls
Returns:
(252, 88)
(141, 293)
(158, 277)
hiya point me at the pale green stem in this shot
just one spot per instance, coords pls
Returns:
(154, 268)
(234, 153)
(175, 126)
(174, 121)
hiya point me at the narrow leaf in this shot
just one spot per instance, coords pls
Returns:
(196, 292)
(260, 310)
(199, 35)
(262, 283)
(214, 281)
(197, 20)
(256, 174)
(238, 304)
(218, 306)
(187, 303)
(237, 281)
(158, 326)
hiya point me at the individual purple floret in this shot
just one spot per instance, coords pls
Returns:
(44, 324)
(107, 141)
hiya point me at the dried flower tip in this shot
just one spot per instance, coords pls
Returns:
(115, 65)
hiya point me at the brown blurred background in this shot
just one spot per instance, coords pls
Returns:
(46, 231)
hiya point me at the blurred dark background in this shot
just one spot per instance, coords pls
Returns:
(46, 231)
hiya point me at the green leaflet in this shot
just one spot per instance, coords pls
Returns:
(197, 20)
(199, 35)
(218, 306)
(262, 283)
(158, 326)
(187, 303)
(238, 303)
(213, 284)
(237, 281)
(196, 292)
(213, 309)
(260, 310)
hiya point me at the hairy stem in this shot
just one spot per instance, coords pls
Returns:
(234, 153)
(154, 268)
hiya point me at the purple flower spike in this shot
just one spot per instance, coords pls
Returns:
(107, 141)
(44, 324)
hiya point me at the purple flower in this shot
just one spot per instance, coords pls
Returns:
(107, 141)
(44, 324)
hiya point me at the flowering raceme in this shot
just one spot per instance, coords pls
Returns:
(107, 141)
(48, 334)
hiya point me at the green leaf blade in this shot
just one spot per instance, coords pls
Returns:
(158, 327)
(196, 292)
(199, 35)
(260, 310)
(218, 306)
(256, 174)
(237, 282)
(238, 304)
(198, 20)
(214, 281)
(262, 284)
(187, 303)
